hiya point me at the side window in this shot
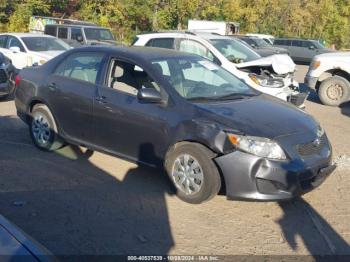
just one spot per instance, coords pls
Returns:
(129, 78)
(162, 67)
(297, 43)
(14, 42)
(278, 42)
(51, 30)
(3, 39)
(81, 66)
(62, 32)
(162, 43)
(194, 47)
(308, 44)
(75, 33)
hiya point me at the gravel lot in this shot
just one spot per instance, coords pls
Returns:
(75, 203)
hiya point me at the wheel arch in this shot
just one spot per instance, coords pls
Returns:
(333, 72)
(214, 155)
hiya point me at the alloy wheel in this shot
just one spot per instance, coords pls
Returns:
(41, 129)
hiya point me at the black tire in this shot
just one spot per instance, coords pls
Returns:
(334, 91)
(211, 183)
(53, 141)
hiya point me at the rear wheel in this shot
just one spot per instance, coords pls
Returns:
(334, 91)
(193, 172)
(43, 129)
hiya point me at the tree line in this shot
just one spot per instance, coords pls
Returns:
(319, 19)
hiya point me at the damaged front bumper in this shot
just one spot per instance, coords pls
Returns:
(249, 177)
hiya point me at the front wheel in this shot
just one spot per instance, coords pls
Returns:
(43, 129)
(193, 172)
(334, 91)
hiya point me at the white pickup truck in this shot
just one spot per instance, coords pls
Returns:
(329, 75)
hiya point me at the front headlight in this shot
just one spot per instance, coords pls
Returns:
(315, 64)
(41, 62)
(258, 146)
(266, 82)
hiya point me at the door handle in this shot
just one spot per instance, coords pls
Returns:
(52, 86)
(101, 99)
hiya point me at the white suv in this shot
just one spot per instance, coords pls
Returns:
(26, 49)
(272, 75)
(329, 75)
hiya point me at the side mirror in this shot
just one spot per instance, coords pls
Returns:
(311, 47)
(149, 95)
(80, 38)
(15, 49)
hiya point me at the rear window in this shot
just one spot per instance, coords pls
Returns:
(161, 43)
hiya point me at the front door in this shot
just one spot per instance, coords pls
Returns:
(71, 89)
(125, 125)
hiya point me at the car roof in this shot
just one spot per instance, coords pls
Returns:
(137, 52)
(189, 34)
(77, 25)
(295, 38)
(27, 35)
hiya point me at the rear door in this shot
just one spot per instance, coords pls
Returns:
(298, 51)
(71, 89)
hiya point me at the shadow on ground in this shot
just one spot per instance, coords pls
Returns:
(345, 109)
(300, 219)
(72, 206)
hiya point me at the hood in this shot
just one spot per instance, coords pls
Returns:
(281, 63)
(334, 56)
(274, 49)
(262, 116)
(47, 55)
(102, 42)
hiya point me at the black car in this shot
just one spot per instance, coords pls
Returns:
(178, 111)
(7, 76)
(261, 46)
(301, 50)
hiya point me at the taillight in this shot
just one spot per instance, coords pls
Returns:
(18, 80)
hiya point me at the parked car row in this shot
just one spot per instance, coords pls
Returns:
(272, 75)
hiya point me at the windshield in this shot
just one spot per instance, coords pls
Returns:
(42, 44)
(198, 79)
(234, 51)
(98, 34)
(261, 43)
(318, 45)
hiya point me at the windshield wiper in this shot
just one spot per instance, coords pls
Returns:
(233, 96)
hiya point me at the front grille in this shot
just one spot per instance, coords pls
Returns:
(312, 148)
(3, 76)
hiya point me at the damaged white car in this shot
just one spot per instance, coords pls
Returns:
(272, 75)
